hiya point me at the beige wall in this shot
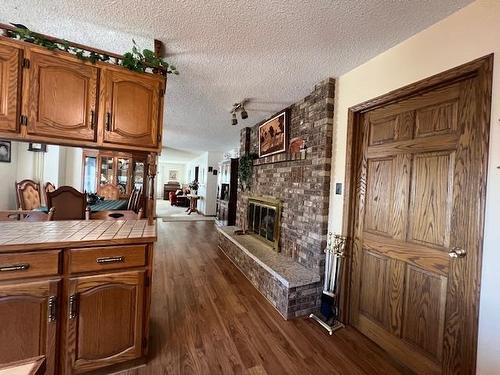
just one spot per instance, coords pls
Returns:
(466, 35)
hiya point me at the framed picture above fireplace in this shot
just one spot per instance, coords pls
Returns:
(273, 135)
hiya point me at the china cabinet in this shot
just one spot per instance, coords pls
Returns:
(127, 171)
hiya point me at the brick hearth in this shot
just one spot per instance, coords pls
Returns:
(290, 287)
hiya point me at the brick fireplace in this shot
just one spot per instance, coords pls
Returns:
(290, 278)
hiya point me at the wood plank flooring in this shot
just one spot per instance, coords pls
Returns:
(208, 319)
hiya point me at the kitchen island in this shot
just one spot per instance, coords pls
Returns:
(76, 292)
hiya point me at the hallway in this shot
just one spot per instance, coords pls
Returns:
(207, 318)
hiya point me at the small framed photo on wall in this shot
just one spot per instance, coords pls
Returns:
(173, 175)
(273, 135)
(37, 147)
(5, 151)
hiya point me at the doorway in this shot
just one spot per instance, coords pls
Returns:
(414, 209)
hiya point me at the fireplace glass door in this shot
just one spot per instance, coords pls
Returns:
(262, 222)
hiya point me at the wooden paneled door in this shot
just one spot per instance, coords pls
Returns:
(131, 108)
(10, 87)
(417, 218)
(104, 320)
(28, 322)
(60, 96)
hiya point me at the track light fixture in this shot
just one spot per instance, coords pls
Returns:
(244, 114)
(239, 107)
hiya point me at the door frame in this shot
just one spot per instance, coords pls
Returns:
(483, 69)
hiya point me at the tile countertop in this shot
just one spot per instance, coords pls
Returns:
(21, 235)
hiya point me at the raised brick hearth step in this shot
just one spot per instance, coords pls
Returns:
(291, 288)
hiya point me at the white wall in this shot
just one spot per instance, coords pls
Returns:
(214, 158)
(466, 35)
(71, 166)
(51, 165)
(208, 182)
(8, 174)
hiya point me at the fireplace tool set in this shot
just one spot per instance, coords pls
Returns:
(335, 251)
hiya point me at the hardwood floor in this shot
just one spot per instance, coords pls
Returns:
(208, 319)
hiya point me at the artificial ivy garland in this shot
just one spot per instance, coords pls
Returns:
(135, 60)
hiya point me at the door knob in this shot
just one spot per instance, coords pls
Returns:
(457, 252)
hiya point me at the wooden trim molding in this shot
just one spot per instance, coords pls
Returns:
(461, 357)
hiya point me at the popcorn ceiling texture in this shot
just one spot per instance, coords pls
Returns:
(270, 51)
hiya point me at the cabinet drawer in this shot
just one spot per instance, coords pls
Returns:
(21, 265)
(106, 258)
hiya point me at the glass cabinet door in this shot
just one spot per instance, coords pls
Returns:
(122, 175)
(139, 167)
(106, 173)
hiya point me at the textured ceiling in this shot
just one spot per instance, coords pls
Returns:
(272, 51)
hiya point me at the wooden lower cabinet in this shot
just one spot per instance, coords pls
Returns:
(28, 322)
(85, 309)
(104, 320)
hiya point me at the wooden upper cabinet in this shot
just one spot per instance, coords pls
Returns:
(10, 87)
(28, 322)
(131, 108)
(105, 321)
(60, 96)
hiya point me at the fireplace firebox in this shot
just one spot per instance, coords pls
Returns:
(264, 220)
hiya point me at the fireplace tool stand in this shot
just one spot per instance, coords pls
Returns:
(333, 270)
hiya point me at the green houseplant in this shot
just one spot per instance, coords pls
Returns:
(139, 61)
(245, 170)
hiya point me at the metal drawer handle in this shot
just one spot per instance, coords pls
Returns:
(15, 267)
(106, 260)
(73, 306)
(52, 307)
(108, 121)
(92, 119)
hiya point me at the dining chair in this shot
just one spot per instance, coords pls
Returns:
(26, 215)
(116, 215)
(68, 202)
(131, 199)
(138, 200)
(109, 192)
(135, 200)
(48, 186)
(28, 194)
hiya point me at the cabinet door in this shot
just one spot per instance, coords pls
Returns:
(105, 320)
(28, 322)
(10, 87)
(132, 108)
(62, 96)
